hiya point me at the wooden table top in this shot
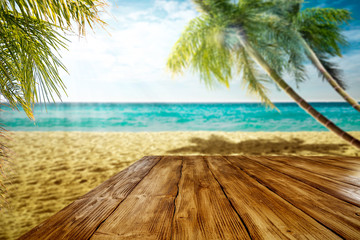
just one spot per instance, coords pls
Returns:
(216, 197)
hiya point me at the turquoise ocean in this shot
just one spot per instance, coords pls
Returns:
(138, 117)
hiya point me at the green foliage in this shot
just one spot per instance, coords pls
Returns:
(321, 30)
(212, 7)
(228, 39)
(253, 80)
(30, 41)
(28, 64)
(320, 27)
(62, 13)
(200, 47)
(210, 45)
(332, 69)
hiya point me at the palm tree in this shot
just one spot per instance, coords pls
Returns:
(229, 38)
(319, 36)
(30, 40)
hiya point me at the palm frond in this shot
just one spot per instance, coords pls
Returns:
(320, 27)
(200, 47)
(212, 7)
(202, 6)
(29, 52)
(60, 12)
(29, 60)
(188, 43)
(279, 45)
(252, 79)
(295, 67)
(333, 69)
(209, 48)
(326, 15)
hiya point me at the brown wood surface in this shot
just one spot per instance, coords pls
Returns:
(215, 197)
(148, 211)
(80, 219)
(322, 168)
(267, 215)
(202, 209)
(344, 191)
(351, 163)
(332, 212)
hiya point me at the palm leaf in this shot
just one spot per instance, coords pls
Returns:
(28, 64)
(59, 12)
(209, 48)
(320, 27)
(332, 69)
(252, 79)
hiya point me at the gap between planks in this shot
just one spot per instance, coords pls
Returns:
(343, 220)
(341, 190)
(95, 198)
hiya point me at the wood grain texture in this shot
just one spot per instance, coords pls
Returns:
(214, 197)
(148, 211)
(202, 209)
(338, 189)
(80, 219)
(351, 163)
(322, 168)
(332, 212)
(266, 215)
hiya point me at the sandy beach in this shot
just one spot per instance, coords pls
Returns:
(49, 170)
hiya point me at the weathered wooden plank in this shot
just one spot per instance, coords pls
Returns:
(335, 214)
(324, 169)
(147, 201)
(80, 219)
(343, 191)
(266, 215)
(202, 209)
(114, 188)
(352, 163)
(148, 211)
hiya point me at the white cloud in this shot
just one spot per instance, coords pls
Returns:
(135, 51)
(352, 35)
(176, 10)
(169, 6)
(350, 64)
(105, 65)
(129, 63)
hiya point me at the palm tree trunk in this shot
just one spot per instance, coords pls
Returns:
(299, 100)
(314, 59)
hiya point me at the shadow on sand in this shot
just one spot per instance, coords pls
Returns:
(219, 145)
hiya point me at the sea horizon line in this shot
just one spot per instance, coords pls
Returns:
(195, 102)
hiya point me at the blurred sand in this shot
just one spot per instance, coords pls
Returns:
(51, 169)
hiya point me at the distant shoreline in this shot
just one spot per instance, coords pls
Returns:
(159, 117)
(255, 102)
(179, 131)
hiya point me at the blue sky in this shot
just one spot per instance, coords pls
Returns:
(126, 63)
